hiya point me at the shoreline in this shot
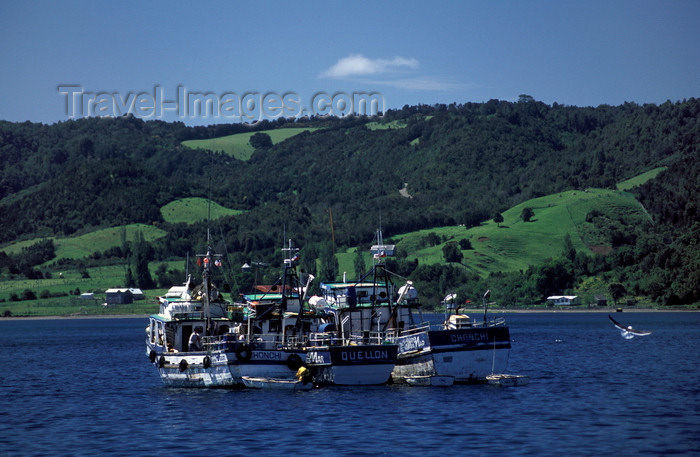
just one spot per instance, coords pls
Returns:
(583, 310)
(71, 317)
(474, 311)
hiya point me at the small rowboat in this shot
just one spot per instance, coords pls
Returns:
(276, 383)
(508, 380)
(434, 381)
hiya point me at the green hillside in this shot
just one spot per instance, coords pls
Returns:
(514, 244)
(58, 295)
(386, 125)
(189, 210)
(640, 179)
(238, 145)
(82, 246)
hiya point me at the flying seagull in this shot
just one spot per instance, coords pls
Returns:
(628, 332)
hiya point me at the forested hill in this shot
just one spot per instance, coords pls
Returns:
(418, 167)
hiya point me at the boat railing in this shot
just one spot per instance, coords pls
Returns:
(296, 341)
(368, 337)
(422, 328)
(391, 336)
(323, 339)
(491, 322)
(266, 340)
(256, 341)
(467, 322)
(213, 342)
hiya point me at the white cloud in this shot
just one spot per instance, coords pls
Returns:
(399, 73)
(359, 65)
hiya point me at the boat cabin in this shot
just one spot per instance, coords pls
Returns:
(457, 321)
(352, 294)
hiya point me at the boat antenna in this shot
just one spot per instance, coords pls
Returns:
(209, 210)
(206, 260)
(187, 266)
(493, 361)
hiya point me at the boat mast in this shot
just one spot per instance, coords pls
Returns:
(205, 287)
(206, 269)
(486, 296)
(379, 253)
(289, 271)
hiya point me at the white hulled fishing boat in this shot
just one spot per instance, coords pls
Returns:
(185, 340)
(200, 340)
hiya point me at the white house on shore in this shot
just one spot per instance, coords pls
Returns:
(564, 300)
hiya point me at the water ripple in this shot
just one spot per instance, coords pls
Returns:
(85, 388)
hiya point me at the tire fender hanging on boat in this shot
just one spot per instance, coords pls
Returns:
(294, 362)
(161, 361)
(243, 353)
(183, 365)
(206, 361)
(152, 356)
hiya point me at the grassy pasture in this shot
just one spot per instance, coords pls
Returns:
(195, 209)
(97, 241)
(64, 283)
(346, 262)
(238, 145)
(639, 179)
(515, 245)
(396, 124)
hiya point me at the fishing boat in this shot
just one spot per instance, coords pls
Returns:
(282, 334)
(271, 342)
(351, 360)
(459, 347)
(185, 340)
(288, 333)
(200, 340)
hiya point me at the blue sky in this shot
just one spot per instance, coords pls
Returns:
(582, 53)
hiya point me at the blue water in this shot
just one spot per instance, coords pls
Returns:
(85, 388)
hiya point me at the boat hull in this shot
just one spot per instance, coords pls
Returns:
(468, 354)
(363, 365)
(271, 363)
(224, 368)
(198, 370)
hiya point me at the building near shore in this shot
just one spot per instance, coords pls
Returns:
(123, 296)
(564, 300)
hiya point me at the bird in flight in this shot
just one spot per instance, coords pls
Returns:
(628, 332)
